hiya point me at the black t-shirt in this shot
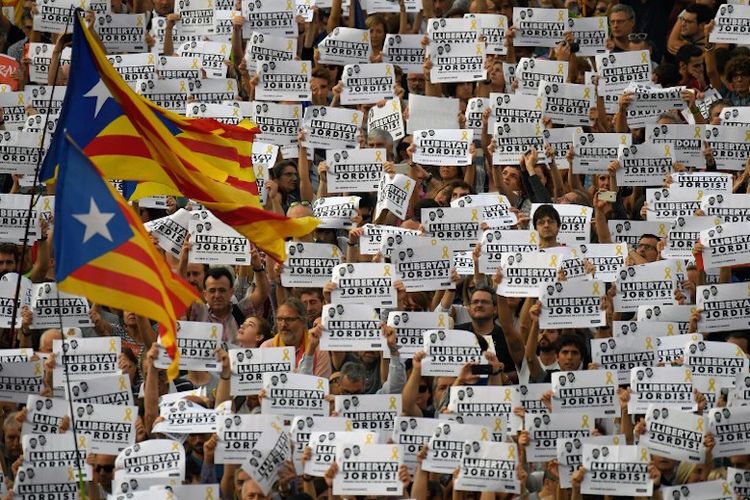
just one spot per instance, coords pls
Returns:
(501, 347)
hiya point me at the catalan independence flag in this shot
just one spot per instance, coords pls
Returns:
(130, 138)
(103, 253)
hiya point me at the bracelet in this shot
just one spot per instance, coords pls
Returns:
(225, 378)
(259, 270)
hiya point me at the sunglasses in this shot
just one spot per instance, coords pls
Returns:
(637, 37)
(304, 203)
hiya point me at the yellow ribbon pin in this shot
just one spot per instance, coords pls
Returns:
(595, 288)
(479, 49)
(295, 112)
(365, 37)
(348, 425)
(446, 253)
(485, 434)
(20, 99)
(123, 386)
(644, 455)
(441, 320)
(649, 343)
(230, 85)
(667, 273)
(538, 103)
(644, 57)
(610, 378)
(321, 385)
(368, 438)
(537, 130)
(560, 69)
(667, 150)
(407, 185)
(697, 133)
(507, 395)
(511, 453)
(473, 24)
(711, 385)
(285, 357)
(386, 270)
(615, 440)
(236, 112)
(214, 332)
(388, 70)
(354, 119)
(175, 446)
(195, 63)
(112, 346)
(37, 369)
(623, 139)
(585, 421)
(532, 237)
(81, 441)
(618, 250)
(587, 92)
(699, 425)
(223, 49)
(464, 135)
(474, 214)
(150, 58)
(289, 5)
(725, 488)
(394, 105)
(394, 453)
(71, 476)
(290, 46)
(378, 155)
(128, 415)
(662, 229)
(183, 88)
(670, 329)
(276, 427)
(560, 16)
(553, 260)
(584, 211)
(498, 425)
(334, 251)
(601, 22)
(392, 403)
(209, 493)
(139, 21)
(747, 135)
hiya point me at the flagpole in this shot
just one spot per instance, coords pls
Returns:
(32, 199)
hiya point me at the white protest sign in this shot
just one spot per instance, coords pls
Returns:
(283, 81)
(650, 102)
(709, 182)
(495, 243)
(388, 118)
(492, 28)
(162, 458)
(528, 397)
(106, 389)
(373, 412)
(446, 445)
(442, 147)
(196, 17)
(171, 231)
(428, 112)
(731, 430)
(425, 265)
(269, 17)
(575, 222)
(351, 327)
(294, 394)
(411, 434)
(730, 146)
(622, 354)
(618, 70)
(374, 236)
(185, 417)
(369, 470)
(495, 208)
(19, 380)
(731, 25)
(171, 95)
(355, 170)
(405, 51)
(457, 62)
(214, 242)
(110, 429)
(197, 343)
(249, 365)
(653, 283)
(546, 429)
(263, 47)
(525, 272)
(364, 283)
(448, 351)
(590, 391)
(593, 152)
(669, 204)
(367, 83)
(539, 27)
(44, 415)
(726, 245)
(739, 480)
(513, 140)
(591, 33)
(620, 470)
(238, 435)
(572, 304)
(50, 305)
(336, 212)
(410, 327)
(515, 108)
(51, 482)
(55, 16)
(345, 46)
(738, 116)
(331, 128)
(394, 192)
(309, 264)
(62, 450)
(662, 385)
(674, 434)
(488, 466)
(568, 103)
(686, 143)
(303, 427)
(530, 72)
(270, 452)
(718, 489)
(644, 164)
(85, 358)
(456, 227)
(723, 307)
(122, 32)
(211, 54)
(683, 235)
(727, 207)
(323, 445)
(41, 59)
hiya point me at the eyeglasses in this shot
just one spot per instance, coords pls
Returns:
(304, 203)
(281, 319)
(105, 468)
(646, 246)
(637, 37)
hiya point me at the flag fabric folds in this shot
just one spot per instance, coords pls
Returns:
(130, 138)
(103, 252)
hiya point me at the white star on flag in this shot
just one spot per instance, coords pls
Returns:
(101, 93)
(95, 222)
